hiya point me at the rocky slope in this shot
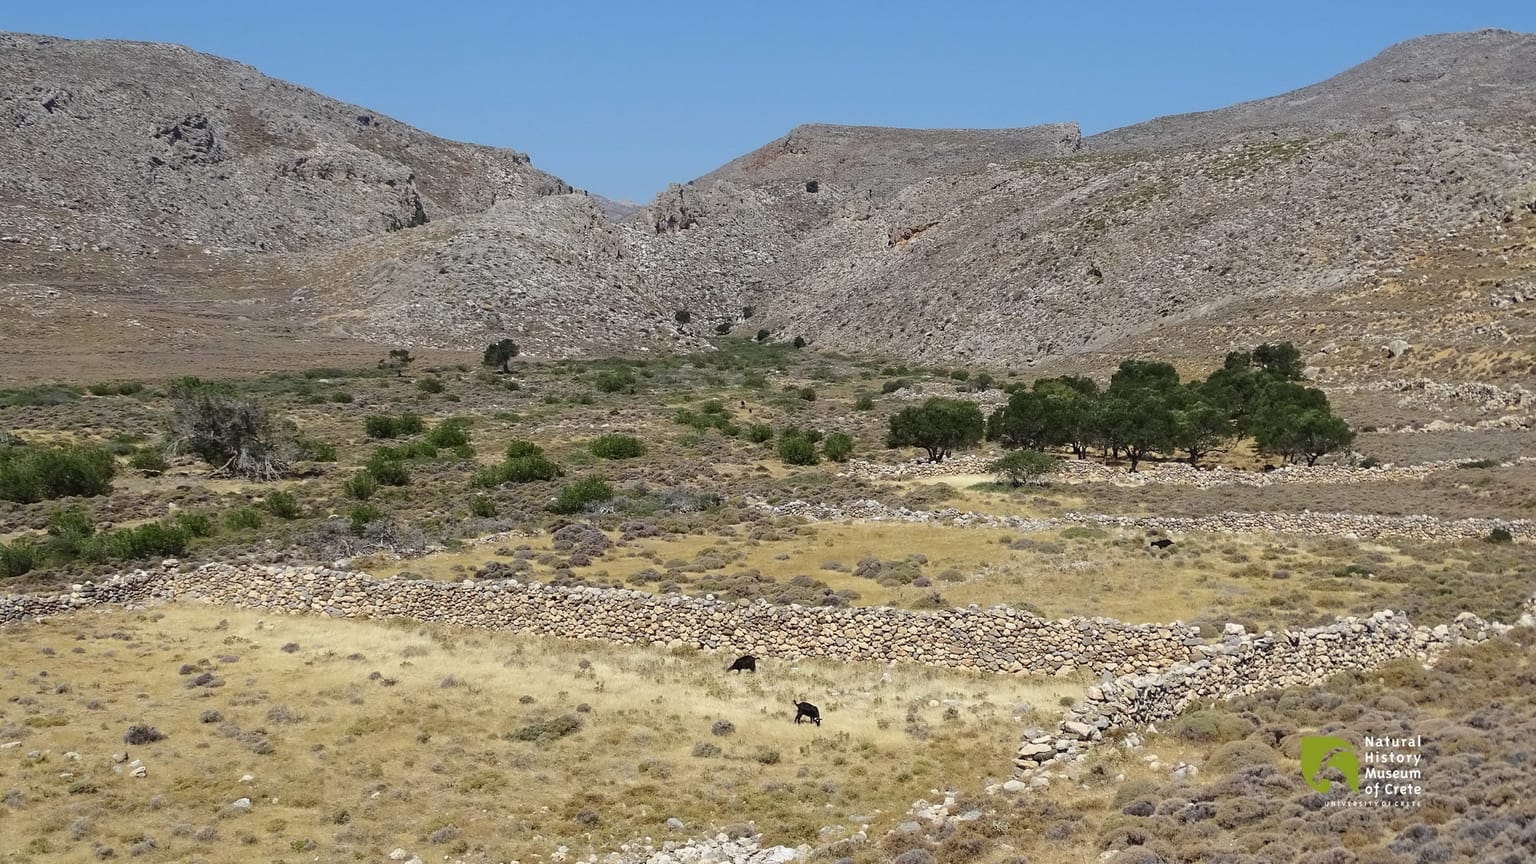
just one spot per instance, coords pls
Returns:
(1012, 248)
(1029, 260)
(132, 145)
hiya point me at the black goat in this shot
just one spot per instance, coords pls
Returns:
(744, 663)
(1162, 543)
(807, 711)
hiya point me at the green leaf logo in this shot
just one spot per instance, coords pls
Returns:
(1321, 752)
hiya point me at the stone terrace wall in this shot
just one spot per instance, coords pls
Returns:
(997, 639)
(1306, 524)
(1244, 663)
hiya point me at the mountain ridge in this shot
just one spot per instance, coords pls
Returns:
(1015, 247)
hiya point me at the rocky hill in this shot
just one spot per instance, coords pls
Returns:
(1012, 248)
(883, 161)
(1039, 258)
(1476, 78)
(132, 145)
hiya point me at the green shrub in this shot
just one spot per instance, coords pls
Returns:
(281, 504)
(797, 450)
(807, 393)
(42, 394)
(799, 342)
(864, 402)
(619, 380)
(453, 432)
(195, 524)
(528, 469)
(576, 497)
(150, 540)
(360, 486)
(150, 460)
(759, 433)
(517, 449)
(360, 516)
(70, 528)
(754, 380)
(384, 426)
(314, 449)
(617, 447)
(895, 384)
(19, 557)
(30, 475)
(243, 519)
(838, 446)
(1499, 535)
(387, 468)
(762, 334)
(430, 385)
(482, 506)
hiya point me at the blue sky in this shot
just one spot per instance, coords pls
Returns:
(622, 98)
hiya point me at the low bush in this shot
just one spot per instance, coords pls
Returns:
(19, 557)
(619, 380)
(29, 475)
(281, 504)
(360, 516)
(576, 497)
(384, 426)
(838, 446)
(150, 460)
(451, 433)
(243, 519)
(617, 447)
(387, 468)
(864, 402)
(430, 385)
(1499, 535)
(150, 540)
(360, 486)
(314, 449)
(797, 450)
(759, 433)
(895, 384)
(482, 506)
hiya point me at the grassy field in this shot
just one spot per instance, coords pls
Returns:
(359, 738)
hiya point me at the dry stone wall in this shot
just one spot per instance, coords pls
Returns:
(1149, 672)
(996, 639)
(1306, 524)
(1167, 473)
(1243, 663)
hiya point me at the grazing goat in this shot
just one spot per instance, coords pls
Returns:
(1161, 543)
(807, 711)
(744, 663)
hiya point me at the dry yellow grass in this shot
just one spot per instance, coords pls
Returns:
(1061, 572)
(346, 764)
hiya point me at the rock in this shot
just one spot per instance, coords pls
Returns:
(675, 823)
(1014, 786)
(241, 804)
(1081, 730)
(1396, 348)
(399, 855)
